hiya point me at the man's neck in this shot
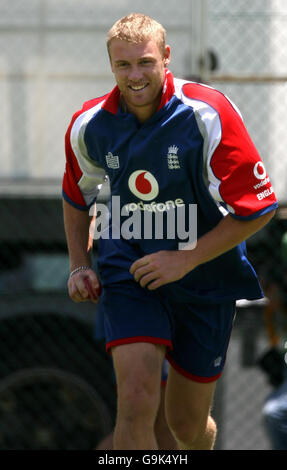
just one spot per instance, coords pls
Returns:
(142, 113)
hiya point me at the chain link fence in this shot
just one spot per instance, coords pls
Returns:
(249, 38)
(55, 378)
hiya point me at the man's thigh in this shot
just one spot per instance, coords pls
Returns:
(138, 369)
(138, 361)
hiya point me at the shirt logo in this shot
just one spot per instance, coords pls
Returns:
(259, 171)
(143, 185)
(112, 161)
(172, 158)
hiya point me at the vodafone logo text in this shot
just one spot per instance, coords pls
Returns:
(143, 185)
(261, 174)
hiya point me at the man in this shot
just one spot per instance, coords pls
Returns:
(170, 149)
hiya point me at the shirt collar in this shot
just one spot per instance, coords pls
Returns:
(167, 89)
(112, 102)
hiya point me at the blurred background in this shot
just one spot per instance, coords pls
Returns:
(57, 388)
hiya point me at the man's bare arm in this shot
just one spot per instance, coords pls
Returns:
(229, 233)
(77, 224)
(80, 244)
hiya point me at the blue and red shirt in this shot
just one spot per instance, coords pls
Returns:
(195, 150)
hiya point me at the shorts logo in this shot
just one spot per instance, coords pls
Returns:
(217, 361)
(143, 185)
(259, 171)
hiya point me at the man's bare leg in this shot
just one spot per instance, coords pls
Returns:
(164, 436)
(188, 405)
(138, 374)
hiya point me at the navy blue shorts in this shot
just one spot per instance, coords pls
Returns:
(99, 335)
(196, 335)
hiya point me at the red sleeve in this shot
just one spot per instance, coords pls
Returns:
(73, 173)
(237, 175)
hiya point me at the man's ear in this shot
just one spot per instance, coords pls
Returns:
(166, 56)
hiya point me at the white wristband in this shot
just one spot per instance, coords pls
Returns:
(80, 268)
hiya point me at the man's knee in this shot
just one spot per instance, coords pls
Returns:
(185, 429)
(138, 369)
(138, 401)
(191, 428)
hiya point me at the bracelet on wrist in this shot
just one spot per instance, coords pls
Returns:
(80, 268)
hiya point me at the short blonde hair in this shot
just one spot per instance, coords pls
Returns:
(136, 28)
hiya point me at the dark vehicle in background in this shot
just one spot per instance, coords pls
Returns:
(57, 389)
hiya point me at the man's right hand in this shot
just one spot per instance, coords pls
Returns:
(84, 286)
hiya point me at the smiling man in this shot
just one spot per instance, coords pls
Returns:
(139, 72)
(166, 145)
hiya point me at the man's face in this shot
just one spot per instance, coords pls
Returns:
(139, 73)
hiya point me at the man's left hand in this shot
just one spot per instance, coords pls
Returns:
(160, 268)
